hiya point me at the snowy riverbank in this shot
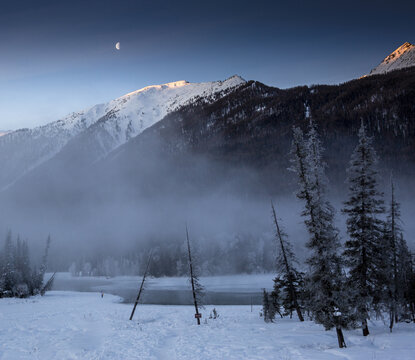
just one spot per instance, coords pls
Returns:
(69, 325)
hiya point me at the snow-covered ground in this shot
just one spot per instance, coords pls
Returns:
(71, 325)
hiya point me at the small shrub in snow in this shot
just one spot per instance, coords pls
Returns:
(214, 314)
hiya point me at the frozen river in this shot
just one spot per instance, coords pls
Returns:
(219, 290)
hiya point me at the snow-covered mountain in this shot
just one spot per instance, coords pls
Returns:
(109, 125)
(402, 57)
(207, 160)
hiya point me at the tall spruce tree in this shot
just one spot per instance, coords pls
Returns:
(287, 282)
(364, 228)
(325, 278)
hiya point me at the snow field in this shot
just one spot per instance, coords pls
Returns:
(71, 325)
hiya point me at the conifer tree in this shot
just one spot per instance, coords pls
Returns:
(16, 277)
(25, 265)
(325, 278)
(8, 268)
(265, 305)
(364, 228)
(44, 264)
(410, 288)
(276, 299)
(269, 307)
(391, 276)
(406, 277)
(39, 274)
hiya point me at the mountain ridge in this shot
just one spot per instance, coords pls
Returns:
(114, 123)
(103, 128)
(402, 57)
(215, 157)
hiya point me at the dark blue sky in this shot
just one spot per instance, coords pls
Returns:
(59, 56)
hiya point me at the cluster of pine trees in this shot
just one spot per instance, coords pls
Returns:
(17, 277)
(372, 274)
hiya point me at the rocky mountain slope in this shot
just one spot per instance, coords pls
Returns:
(402, 57)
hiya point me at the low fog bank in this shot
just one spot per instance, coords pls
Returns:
(105, 217)
(230, 234)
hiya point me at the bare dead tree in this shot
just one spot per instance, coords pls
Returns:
(290, 273)
(48, 285)
(197, 288)
(142, 285)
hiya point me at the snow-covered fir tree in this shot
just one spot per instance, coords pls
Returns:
(269, 308)
(364, 248)
(325, 278)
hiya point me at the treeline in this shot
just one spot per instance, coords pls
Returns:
(371, 275)
(106, 266)
(243, 253)
(17, 277)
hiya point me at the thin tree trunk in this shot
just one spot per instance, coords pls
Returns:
(192, 278)
(299, 314)
(141, 286)
(340, 337)
(363, 271)
(391, 317)
(365, 328)
(287, 267)
(395, 255)
(48, 285)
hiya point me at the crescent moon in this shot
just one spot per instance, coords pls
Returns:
(118, 45)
